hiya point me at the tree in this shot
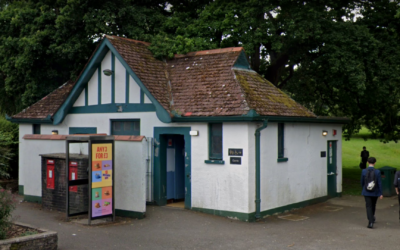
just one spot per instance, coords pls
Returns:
(47, 42)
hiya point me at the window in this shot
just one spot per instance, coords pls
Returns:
(125, 127)
(281, 142)
(36, 129)
(215, 141)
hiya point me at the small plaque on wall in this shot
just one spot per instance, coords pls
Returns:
(235, 151)
(236, 160)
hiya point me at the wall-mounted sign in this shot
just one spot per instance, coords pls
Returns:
(235, 151)
(102, 179)
(236, 160)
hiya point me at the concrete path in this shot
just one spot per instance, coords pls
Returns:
(339, 223)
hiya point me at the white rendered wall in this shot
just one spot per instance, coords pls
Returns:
(134, 91)
(146, 99)
(130, 175)
(304, 175)
(93, 87)
(120, 82)
(106, 80)
(221, 187)
(81, 100)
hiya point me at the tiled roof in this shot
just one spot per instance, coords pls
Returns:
(151, 72)
(202, 83)
(48, 105)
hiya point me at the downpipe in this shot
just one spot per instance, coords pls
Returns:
(258, 169)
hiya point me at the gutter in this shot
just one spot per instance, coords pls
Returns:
(258, 169)
(46, 120)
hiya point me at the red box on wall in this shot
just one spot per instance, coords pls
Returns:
(50, 174)
(73, 174)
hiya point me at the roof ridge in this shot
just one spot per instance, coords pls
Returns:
(210, 52)
(127, 39)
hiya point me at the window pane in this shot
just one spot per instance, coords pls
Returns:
(36, 129)
(117, 126)
(216, 141)
(136, 126)
(280, 140)
(127, 126)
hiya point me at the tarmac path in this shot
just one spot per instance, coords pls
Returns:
(339, 223)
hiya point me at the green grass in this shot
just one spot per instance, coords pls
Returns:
(386, 154)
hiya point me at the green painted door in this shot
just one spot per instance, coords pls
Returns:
(161, 135)
(332, 168)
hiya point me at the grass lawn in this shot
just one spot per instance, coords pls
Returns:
(386, 155)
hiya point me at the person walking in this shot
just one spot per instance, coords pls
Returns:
(397, 186)
(371, 183)
(364, 158)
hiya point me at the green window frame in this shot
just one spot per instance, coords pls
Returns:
(36, 129)
(215, 141)
(125, 126)
(281, 140)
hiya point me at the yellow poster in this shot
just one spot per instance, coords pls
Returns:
(101, 152)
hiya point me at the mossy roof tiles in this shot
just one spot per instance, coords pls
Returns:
(202, 83)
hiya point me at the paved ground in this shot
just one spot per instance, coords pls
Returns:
(337, 224)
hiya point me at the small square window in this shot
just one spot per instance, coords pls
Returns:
(36, 129)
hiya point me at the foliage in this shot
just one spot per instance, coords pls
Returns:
(8, 149)
(47, 42)
(7, 205)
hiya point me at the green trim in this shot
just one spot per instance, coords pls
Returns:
(130, 214)
(287, 208)
(32, 198)
(21, 189)
(113, 108)
(221, 162)
(242, 62)
(30, 120)
(126, 87)
(88, 71)
(160, 172)
(283, 159)
(141, 96)
(257, 134)
(113, 78)
(232, 215)
(82, 130)
(338, 194)
(99, 85)
(247, 118)
(86, 95)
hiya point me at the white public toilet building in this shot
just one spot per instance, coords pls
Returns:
(201, 129)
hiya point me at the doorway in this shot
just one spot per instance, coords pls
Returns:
(332, 168)
(172, 166)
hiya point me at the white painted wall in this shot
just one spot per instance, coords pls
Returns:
(106, 80)
(81, 100)
(304, 176)
(146, 99)
(93, 88)
(120, 82)
(134, 91)
(130, 175)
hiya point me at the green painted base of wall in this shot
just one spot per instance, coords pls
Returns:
(21, 190)
(130, 214)
(293, 206)
(338, 194)
(31, 198)
(250, 217)
(234, 215)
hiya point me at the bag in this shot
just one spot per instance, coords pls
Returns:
(369, 181)
(362, 165)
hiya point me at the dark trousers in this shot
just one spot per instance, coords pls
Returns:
(370, 203)
(364, 163)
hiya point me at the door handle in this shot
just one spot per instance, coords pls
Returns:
(331, 173)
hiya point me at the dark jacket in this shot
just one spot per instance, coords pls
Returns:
(364, 155)
(396, 182)
(378, 190)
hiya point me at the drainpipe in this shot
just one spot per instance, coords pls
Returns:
(258, 169)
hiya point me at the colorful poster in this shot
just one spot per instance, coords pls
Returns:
(102, 170)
